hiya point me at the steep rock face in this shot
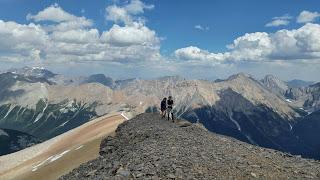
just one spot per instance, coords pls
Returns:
(30, 104)
(298, 93)
(276, 85)
(309, 97)
(256, 93)
(33, 104)
(313, 101)
(23, 90)
(46, 120)
(148, 147)
(12, 141)
(235, 116)
(33, 101)
(188, 93)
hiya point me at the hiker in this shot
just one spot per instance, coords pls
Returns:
(169, 108)
(163, 107)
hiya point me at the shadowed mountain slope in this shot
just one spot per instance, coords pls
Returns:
(12, 141)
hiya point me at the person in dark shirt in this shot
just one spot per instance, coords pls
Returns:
(169, 108)
(163, 107)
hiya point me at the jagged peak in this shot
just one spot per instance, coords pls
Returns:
(36, 71)
(270, 77)
(272, 81)
(240, 75)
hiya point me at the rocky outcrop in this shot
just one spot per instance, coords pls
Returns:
(274, 84)
(309, 96)
(148, 147)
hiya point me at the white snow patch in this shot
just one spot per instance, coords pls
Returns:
(41, 114)
(9, 111)
(289, 100)
(64, 123)
(79, 147)
(3, 133)
(37, 67)
(63, 110)
(235, 122)
(24, 109)
(122, 114)
(35, 168)
(38, 117)
(55, 157)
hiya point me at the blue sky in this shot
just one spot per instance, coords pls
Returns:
(174, 20)
(205, 37)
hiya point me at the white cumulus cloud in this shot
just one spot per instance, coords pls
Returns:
(130, 42)
(76, 36)
(19, 39)
(63, 20)
(297, 44)
(127, 13)
(70, 38)
(279, 21)
(52, 13)
(137, 34)
(195, 53)
(307, 16)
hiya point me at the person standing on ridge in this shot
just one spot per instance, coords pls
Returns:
(169, 108)
(163, 107)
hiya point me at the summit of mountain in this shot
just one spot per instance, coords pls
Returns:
(148, 147)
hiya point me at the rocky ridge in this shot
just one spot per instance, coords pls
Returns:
(148, 147)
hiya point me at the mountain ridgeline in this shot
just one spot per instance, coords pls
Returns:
(269, 113)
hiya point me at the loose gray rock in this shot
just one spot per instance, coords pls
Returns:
(148, 147)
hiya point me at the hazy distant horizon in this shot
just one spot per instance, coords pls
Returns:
(81, 74)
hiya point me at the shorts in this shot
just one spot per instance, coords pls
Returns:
(169, 110)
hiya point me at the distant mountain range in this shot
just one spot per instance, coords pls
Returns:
(296, 83)
(269, 112)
